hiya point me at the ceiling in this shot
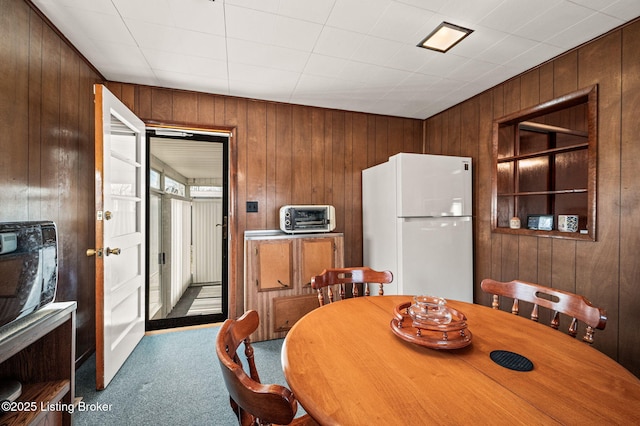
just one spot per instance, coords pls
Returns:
(356, 55)
(191, 158)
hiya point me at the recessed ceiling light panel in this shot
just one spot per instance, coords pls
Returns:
(444, 37)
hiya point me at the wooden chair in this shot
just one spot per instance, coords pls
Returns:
(575, 306)
(253, 402)
(354, 275)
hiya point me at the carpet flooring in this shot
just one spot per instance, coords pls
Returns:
(171, 379)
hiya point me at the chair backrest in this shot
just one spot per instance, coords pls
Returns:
(254, 403)
(354, 276)
(558, 301)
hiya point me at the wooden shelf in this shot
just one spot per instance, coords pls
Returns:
(39, 351)
(561, 191)
(544, 153)
(545, 163)
(45, 396)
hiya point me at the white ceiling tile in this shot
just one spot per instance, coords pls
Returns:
(252, 53)
(259, 75)
(373, 50)
(553, 21)
(183, 64)
(583, 31)
(198, 15)
(623, 9)
(431, 5)
(314, 11)
(171, 39)
(270, 6)
(101, 6)
(325, 66)
(512, 14)
(156, 11)
(359, 55)
(506, 49)
(402, 23)
(338, 42)
(206, 84)
(469, 11)
(273, 29)
(357, 15)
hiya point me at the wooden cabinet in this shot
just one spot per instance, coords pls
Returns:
(39, 352)
(278, 271)
(545, 167)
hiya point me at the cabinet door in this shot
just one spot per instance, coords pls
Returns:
(316, 254)
(274, 264)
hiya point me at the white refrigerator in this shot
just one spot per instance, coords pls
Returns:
(417, 223)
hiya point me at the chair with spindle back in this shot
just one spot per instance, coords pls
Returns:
(354, 276)
(558, 301)
(253, 403)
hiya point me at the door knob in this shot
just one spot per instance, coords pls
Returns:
(114, 251)
(108, 215)
(93, 252)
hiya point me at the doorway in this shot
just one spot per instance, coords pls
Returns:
(188, 195)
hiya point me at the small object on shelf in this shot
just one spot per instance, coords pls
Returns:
(567, 223)
(541, 222)
(452, 335)
(514, 223)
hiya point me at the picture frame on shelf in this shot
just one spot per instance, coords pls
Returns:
(540, 222)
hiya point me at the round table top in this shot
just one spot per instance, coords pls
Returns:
(345, 366)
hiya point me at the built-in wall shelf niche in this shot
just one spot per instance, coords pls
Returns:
(544, 174)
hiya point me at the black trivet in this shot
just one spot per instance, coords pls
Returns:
(511, 360)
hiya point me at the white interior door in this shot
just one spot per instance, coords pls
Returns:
(120, 233)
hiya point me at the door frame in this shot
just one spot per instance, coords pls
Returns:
(230, 156)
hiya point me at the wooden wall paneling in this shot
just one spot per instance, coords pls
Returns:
(546, 86)
(338, 167)
(317, 155)
(563, 265)
(483, 252)
(271, 167)
(85, 318)
(598, 263)
(360, 145)
(184, 107)
(565, 75)
(34, 118)
(206, 109)
(284, 159)
(14, 111)
(161, 105)
(301, 140)
(628, 351)
(68, 168)
(219, 110)
(434, 140)
(381, 139)
(261, 164)
(396, 136)
(50, 150)
(236, 116)
(453, 144)
(371, 141)
(144, 104)
(530, 89)
(348, 221)
(327, 185)
(128, 96)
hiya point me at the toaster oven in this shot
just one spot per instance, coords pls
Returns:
(307, 218)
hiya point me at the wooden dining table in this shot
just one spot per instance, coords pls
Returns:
(346, 367)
